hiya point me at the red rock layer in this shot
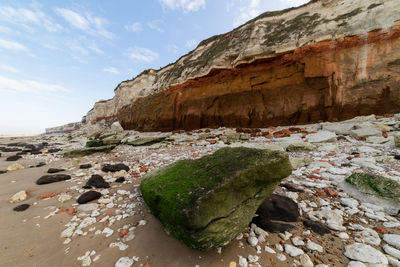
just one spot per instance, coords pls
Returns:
(328, 80)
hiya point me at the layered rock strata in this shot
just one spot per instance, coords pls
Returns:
(327, 60)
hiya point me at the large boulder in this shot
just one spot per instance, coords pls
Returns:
(386, 187)
(208, 201)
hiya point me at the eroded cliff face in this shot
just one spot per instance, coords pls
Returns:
(327, 60)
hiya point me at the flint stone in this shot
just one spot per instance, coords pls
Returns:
(53, 170)
(21, 207)
(88, 196)
(85, 166)
(365, 254)
(207, 202)
(114, 167)
(317, 227)
(48, 179)
(13, 158)
(120, 180)
(97, 181)
(279, 208)
(376, 185)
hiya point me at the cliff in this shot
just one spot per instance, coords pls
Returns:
(327, 60)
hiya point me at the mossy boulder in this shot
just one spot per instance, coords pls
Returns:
(87, 151)
(299, 147)
(397, 140)
(376, 185)
(207, 202)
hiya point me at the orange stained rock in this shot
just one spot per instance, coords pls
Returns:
(48, 195)
(384, 134)
(123, 232)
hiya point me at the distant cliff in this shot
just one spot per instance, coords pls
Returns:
(326, 60)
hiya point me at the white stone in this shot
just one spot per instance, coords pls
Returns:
(87, 207)
(252, 240)
(293, 251)
(252, 258)
(269, 250)
(313, 246)
(392, 239)
(365, 253)
(369, 236)
(391, 224)
(321, 136)
(120, 245)
(297, 241)
(19, 196)
(279, 247)
(392, 251)
(281, 257)
(242, 262)
(68, 232)
(86, 222)
(393, 261)
(306, 261)
(64, 198)
(334, 218)
(339, 128)
(343, 235)
(365, 132)
(124, 262)
(108, 231)
(349, 202)
(356, 264)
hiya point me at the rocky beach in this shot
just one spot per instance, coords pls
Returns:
(274, 144)
(333, 222)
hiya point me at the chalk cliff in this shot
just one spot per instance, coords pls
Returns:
(326, 60)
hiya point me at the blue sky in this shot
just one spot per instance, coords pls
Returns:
(57, 58)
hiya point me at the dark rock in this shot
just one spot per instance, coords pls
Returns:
(114, 167)
(208, 201)
(87, 151)
(41, 164)
(48, 179)
(279, 208)
(120, 180)
(86, 187)
(88, 196)
(1, 172)
(10, 149)
(21, 153)
(21, 207)
(54, 150)
(272, 227)
(13, 158)
(53, 170)
(97, 181)
(317, 227)
(35, 152)
(85, 166)
(291, 188)
(397, 157)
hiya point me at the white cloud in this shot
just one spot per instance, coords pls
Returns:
(249, 10)
(8, 68)
(155, 25)
(135, 27)
(74, 45)
(4, 29)
(112, 70)
(185, 5)
(87, 23)
(11, 45)
(142, 54)
(95, 49)
(28, 86)
(292, 3)
(27, 17)
(191, 43)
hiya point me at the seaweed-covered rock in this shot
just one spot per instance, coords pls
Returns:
(87, 151)
(85, 166)
(208, 201)
(55, 170)
(299, 147)
(279, 208)
(48, 179)
(376, 185)
(145, 141)
(397, 140)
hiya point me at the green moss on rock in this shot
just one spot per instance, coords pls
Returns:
(299, 147)
(94, 143)
(208, 201)
(376, 185)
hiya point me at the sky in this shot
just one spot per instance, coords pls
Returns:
(57, 58)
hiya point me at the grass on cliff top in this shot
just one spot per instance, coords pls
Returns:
(184, 181)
